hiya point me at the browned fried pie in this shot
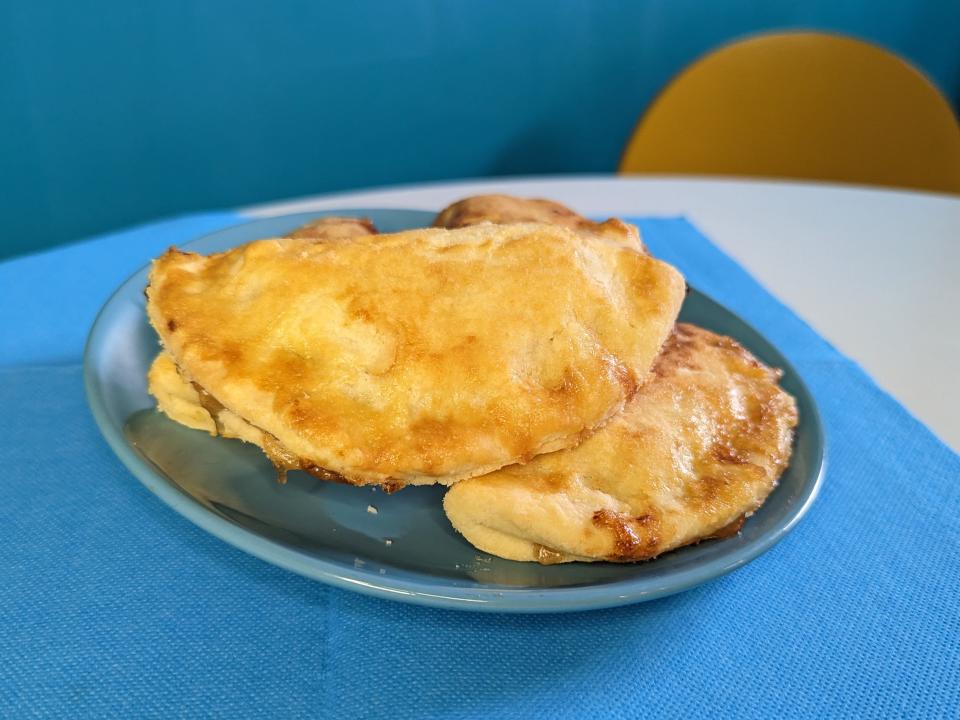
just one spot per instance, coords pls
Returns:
(699, 446)
(418, 357)
(505, 209)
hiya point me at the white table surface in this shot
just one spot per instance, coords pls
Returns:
(876, 272)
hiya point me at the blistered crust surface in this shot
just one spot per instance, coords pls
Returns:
(699, 446)
(424, 356)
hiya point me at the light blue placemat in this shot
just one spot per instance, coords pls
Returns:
(112, 605)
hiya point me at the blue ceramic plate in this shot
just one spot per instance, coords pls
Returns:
(407, 549)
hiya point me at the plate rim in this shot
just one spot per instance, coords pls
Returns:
(494, 599)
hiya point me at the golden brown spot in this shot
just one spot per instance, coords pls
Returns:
(548, 483)
(431, 432)
(367, 224)
(710, 490)
(760, 412)
(679, 351)
(634, 538)
(229, 353)
(728, 454)
(568, 385)
(171, 325)
(362, 314)
(626, 378)
(283, 375)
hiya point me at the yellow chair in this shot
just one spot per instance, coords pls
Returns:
(801, 105)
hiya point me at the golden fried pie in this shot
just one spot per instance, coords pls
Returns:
(418, 357)
(700, 445)
(506, 209)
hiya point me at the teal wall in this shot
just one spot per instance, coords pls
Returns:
(114, 112)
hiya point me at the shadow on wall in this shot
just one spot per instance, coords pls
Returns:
(125, 113)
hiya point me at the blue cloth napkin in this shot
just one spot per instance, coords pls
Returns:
(111, 605)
